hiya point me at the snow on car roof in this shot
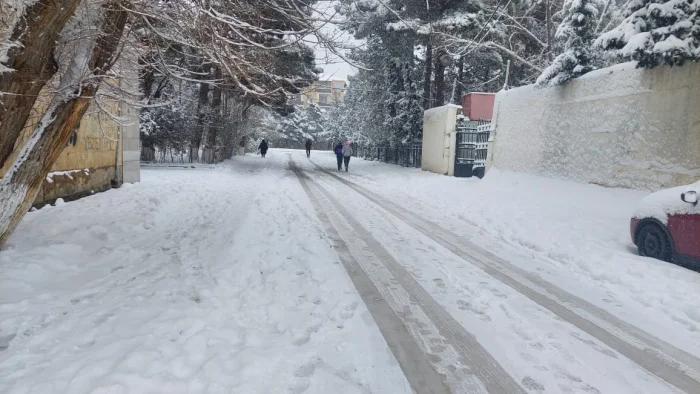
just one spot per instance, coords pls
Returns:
(667, 202)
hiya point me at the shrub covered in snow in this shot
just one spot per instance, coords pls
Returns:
(577, 29)
(656, 32)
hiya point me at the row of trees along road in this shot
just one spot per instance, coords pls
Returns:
(211, 71)
(424, 54)
(59, 58)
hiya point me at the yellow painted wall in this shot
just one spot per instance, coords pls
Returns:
(93, 147)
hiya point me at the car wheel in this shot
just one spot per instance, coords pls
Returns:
(653, 242)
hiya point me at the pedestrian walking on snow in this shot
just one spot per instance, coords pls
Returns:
(347, 153)
(308, 148)
(263, 148)
(339, 155)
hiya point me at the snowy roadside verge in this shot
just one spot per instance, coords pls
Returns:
(191, 281)
(573, 235)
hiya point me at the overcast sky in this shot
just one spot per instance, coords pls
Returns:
(333, 67)
(337, 69)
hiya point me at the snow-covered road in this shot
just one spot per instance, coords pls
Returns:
(193, 281)
(276, 275)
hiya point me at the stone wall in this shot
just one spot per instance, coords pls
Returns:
(617, 127)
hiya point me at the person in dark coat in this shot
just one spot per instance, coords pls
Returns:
(263, 148)
(339, 155)
(308, 148)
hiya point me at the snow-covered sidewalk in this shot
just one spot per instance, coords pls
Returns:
(193, 281)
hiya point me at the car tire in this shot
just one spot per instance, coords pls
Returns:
(652, 241)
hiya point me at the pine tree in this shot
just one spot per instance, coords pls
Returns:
(656, 32)
(578, 30)
(411, 106)
(393, 110)
(313, 126)
(304, 123)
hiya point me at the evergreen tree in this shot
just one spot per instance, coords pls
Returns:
(578, 30)
(393, 100)
(656, 32)
(411, 106)
(313, 122)
(304, 123)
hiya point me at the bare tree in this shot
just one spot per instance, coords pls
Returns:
(21, 184)
(252, 42)
(29, 47)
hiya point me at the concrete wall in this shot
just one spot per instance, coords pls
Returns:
(618, 127)
(93, 157)
(130, 132)
(439, 139)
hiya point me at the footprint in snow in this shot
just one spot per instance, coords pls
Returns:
(5, 341)
(532, 385)
(346, 314)
(439, 283)
(308, 369)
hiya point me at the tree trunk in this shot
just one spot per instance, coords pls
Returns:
(427, 75)
(439, 80)
(20, 186)
(33, 63)
(202, 105)
(216, 121)
(459, 90)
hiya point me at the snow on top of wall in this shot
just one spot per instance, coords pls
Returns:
(667, 202)
(515, 92)
(437, 110)
(624, 82)
(50, 175)
(618, 68)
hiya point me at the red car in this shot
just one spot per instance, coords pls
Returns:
(666, 225)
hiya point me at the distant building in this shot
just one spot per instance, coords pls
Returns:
(323, 93)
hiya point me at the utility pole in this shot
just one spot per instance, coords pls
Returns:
(549, 30)
(505, 84)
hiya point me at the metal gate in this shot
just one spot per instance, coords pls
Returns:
(482, 144)
(470, 146)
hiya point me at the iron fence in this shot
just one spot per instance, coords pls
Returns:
(406, 155)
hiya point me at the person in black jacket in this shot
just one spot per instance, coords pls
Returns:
(263, 148)
(308, 148)
(338, 150)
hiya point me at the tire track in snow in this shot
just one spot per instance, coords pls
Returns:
(421, 375)
(675, 366)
